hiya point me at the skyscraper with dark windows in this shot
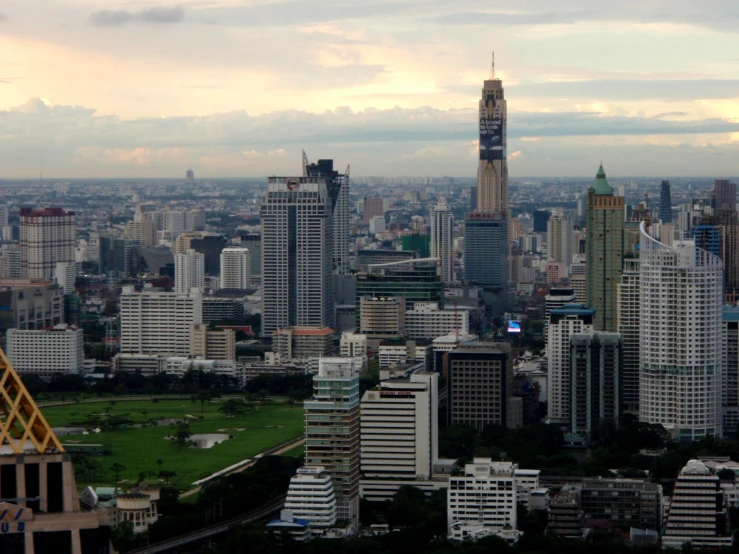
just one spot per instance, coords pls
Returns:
(724, 192)
(297, 246)
(665, 203)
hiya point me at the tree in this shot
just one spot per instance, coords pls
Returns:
(117, 468)
(182, 436)
(167, 475)
(726, 474)
(232, 407)
(204, 396)
(159, 463)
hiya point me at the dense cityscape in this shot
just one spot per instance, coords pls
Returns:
(321, 362)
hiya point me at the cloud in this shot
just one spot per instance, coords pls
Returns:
(3, 18)
(156, 14)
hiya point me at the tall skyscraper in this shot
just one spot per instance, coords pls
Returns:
(541, 218)
(47, 237)
(629, 316)
(665, 203)
(373, 206)
(560, 239)
(681, 358)
(724, 192)
(297, 248)
(563, 323)
(442, 239)
(189, 271)
(337, 185)
(604, 250)
(486, 249)
(730, 370)
(492, 171)
(332, 430)
(235, 268)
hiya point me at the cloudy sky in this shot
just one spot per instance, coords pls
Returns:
(101, 88)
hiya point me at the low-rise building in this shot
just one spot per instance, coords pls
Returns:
(427, 321)
(302, 342)
(46, 352)
(382, 318)
(213, 344)
(311, 497)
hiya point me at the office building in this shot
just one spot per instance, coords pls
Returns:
(427, 321)
(724, 192)
(628, 294)
(681, 300)
(442, 239)
(354, 345)
(377, 224)
(253, 241)
(41, 505)
(418, 283)
(556, 298)
(418, 243)
(332, 431)
(338, 189)
(596, 363)
(560, 240)
(212, 344)
(373, 207)
(728, 221)
(492, 170)
(486, 249)
(235, 268)
(10, 258)
(707, 235)
(480, 384)
(297, 249)
(189, 270)
(48, 236)
(382, 318)
(210, 245)
(158, 323)
(730, 370)
(564, 322)
(302, 342)
(223, 309)
(541, 219)
(604, 250)
(399, 435)
(579, 283)
(45, 352)
(665, 203)
(30, 304)
(483, 501)
(310, 496)
(698, 515)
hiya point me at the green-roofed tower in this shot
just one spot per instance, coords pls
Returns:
(604, 251)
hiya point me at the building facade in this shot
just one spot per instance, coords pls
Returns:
(382, 318)
(235, 268)
(311, 496)
(427, 321)
(665, 203)
(46, 352)
(681, 357)
(189, 270)
(30, 304)
(628, 294)
(442, 239)
(48, 236)
(560, 240)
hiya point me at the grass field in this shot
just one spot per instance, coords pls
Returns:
(138, 449)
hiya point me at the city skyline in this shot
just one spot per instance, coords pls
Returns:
(169, 86)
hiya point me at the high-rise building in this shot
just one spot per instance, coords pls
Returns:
(560, 239)
(480, 384)
(373, 206)
(596, 361)
(47, 237)
(492, 171)
(698, 514)
(189, 175)
(724, 192)
(665, 203)
(297, 252)
(629, 315)
(332, 431)
(681, 358)
(235, 268)
(419, 243)
(604, 250)
(158, 322)
(564, 322)
(212, 344)
(189, 271)
(45, 352)
(253, 241)
(728, 221)
(486, 249)
(30, 304)
(337, 185)
(442, 239)
(730, 370)
(556, 298)
(473, 199)
(541, 218)
(400, 431)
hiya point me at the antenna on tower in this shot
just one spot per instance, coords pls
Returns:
(492, 72)
(305, 164)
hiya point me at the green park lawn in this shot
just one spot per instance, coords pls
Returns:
(138, 449)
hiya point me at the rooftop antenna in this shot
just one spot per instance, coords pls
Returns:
(492, 72)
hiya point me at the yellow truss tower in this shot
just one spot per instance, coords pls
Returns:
(21, 420)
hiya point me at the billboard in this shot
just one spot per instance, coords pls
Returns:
(514, 327)
(491, 139)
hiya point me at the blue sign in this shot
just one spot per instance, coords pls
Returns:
(514, 327)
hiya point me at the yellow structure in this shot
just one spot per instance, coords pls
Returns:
(23, 421)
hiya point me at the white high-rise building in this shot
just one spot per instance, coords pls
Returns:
(681, 351)
(311, 496)
(158, 323)
(563, 323)
(235, 268)
(483, 501)
(628, 294)
(189, 271)
(354, 345)
(175, 222)
(560, 239)
(65, 274)
(47, 237)
(46, 352)
(442, 239)
(400, 432)
(297, 248)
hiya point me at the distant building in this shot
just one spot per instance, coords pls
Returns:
(560, 240)
(442, 239)
(366, 258)
(212, 344)
(253, 241)
(382, 318)
(30, 304)
(628, 302)
(47, 237)
(665, 203)
(302, 342)
(417, 242)
(486, 249)
(373, 207)
(46, 352)
(189, 271)
(541, 218)
(235, 268)
(311, 497)
(377, 224)
(730, 370)
(354, 345)
(724, 191)
(189, 175)
(427, 321)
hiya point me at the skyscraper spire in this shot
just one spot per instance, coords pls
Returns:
(492, 72)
